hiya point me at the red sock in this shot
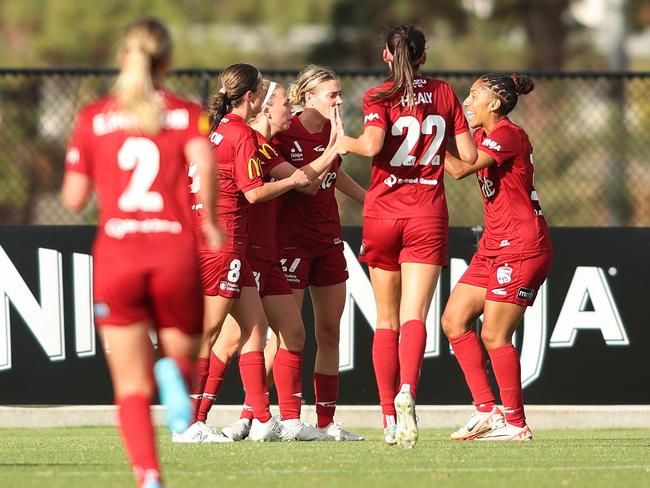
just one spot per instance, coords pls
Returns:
(469, 354)
(247, 410)
(216, 372)
(186, 366)
(385, 360)
(326, 387)
(287, 367)
(412, 341)
(507, 369)
(253, 376)
(134, 414)
(198, 384)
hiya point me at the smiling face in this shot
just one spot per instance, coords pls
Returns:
(278, 110)
(325, 96)
(481, 105)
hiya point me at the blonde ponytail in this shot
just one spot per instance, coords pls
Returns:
(146, 48)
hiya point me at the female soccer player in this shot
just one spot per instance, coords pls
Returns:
(408, 121)
(279, 304)
(132, 146)
(512, 261)
(228, 283)
(309, 232)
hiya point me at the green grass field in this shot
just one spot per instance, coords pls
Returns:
(92, 457)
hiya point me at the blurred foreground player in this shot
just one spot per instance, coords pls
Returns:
(132, 147)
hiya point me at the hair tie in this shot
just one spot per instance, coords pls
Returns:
(269, 93)
(514, 80)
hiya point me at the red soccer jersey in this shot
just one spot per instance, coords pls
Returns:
(308, 226)
(513, 217)
(238, 171)
(139, 179)
(262, 215)
(407, 174)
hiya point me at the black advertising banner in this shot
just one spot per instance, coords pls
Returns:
(585, 340)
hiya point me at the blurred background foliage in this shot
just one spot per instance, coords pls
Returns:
(589, 132)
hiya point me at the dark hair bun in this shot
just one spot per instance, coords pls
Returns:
(523, 84)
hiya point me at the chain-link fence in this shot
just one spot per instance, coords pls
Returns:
(589, 132)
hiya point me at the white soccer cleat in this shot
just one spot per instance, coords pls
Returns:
(237, 431)
(199, 433)
(406, 434)
(297, 430)
(390, 435)
(507, 432)
(335, 432)
(270, 430)
(478, 424)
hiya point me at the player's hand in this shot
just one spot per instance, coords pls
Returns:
(300, 179)
(214, 236)
(333, 128)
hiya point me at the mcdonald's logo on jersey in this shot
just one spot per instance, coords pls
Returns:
(267, 151)
(254, 168)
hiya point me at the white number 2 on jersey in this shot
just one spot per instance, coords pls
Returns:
(413, 128)
(143, 157)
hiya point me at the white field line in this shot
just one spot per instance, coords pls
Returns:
(265, 472)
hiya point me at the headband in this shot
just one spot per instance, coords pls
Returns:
(269, 93)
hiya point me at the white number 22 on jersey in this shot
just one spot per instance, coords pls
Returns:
(413, 130)
(143, 157)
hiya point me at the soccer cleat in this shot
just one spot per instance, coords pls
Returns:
(198, 433)
(237, 431)
(390, 435)
(152, 484)
(406, 433)
(335, 432)
(507, 432)
(297, 430)
(271, 430)
(173, 395)
(478, 424)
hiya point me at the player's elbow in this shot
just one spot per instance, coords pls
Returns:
(254, 195)
(73, 202)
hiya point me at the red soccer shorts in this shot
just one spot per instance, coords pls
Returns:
(269, 278)
(513, 278)
(387, 243)
(329, 269)
(224, 273)
(168, 292)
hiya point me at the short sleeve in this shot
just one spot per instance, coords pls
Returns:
(199, 122)
(374, 112)
(270, 157)
(247, 170)
(502, 144)
(79, 154)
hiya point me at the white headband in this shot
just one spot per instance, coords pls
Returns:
(269, 93)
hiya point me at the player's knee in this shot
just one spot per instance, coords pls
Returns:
(327, 337)
(452, 326)
(134, 386)
(490, 337)
(294, 338)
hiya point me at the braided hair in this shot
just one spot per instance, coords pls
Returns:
(508, 88)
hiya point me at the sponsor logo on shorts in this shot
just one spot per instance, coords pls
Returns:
(499, 291)
(525, 294)
(228, 286)
(362, 249)
(504, 243)
(101, 310)
(504, 274)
